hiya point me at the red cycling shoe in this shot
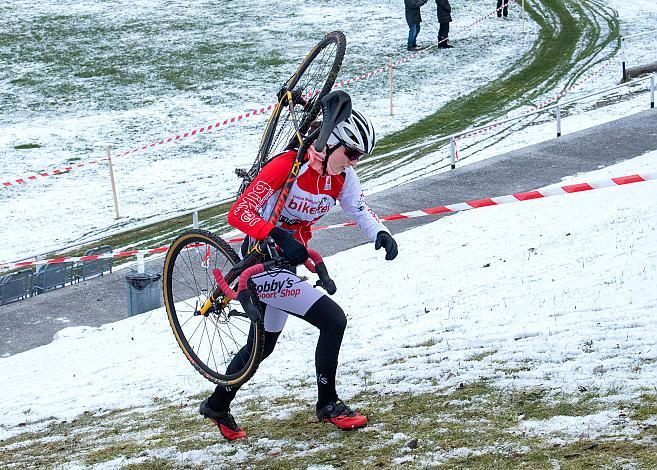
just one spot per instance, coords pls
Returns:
(224, 421)
(339, 414)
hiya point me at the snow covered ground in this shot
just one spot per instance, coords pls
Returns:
(556, 289)
(68, 114)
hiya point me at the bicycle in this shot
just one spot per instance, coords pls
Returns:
(210, 299)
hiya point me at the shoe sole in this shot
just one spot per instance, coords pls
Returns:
(219, 425)
(352, 428)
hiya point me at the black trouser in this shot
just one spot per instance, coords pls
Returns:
(328, 317)
(500, 9)
(443, 31)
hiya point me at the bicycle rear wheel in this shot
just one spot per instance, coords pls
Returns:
(313, 79)
(223, 335)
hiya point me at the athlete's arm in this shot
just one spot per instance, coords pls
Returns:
(352, 201)
(245, 213)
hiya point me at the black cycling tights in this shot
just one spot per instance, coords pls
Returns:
(329, 318)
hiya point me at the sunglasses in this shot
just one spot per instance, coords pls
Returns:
(352, 154)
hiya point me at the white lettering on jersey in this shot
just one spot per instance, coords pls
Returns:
(248, 208)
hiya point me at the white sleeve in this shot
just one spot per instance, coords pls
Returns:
(352, 202)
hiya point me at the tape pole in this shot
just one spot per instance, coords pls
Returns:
(111, 172)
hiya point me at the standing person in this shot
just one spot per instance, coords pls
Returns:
(324, 179)
(501, 10)
(413, 18)
(444, 11)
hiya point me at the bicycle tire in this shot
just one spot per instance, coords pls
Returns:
(311, 81)
(210, 342)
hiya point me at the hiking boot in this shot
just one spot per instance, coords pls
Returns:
(224, 421)
(443, 43)
(415, 48)
(336, 412)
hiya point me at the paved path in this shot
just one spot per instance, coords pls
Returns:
(33, 322)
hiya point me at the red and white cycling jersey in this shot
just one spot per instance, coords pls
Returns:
(310, 198)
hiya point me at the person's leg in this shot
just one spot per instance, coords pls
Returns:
(413, 31)
(506, 8)
(330, 320)
(275, 319)
(289, 294)
(499, 8)
(442, 34)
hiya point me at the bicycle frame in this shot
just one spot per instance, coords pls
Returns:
(264, 247)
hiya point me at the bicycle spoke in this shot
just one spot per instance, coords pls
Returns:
(224, 352)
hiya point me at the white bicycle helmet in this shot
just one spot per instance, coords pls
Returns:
(356, 132)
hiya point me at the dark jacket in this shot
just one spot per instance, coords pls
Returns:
(444, 10)
(413, 11)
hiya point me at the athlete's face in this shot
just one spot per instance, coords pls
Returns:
(341, 158)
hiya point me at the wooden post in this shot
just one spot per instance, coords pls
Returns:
(452, 153)
(522, 16)
(390, 67)
(558, 121)
(140, 262)
(622, 55)
(111, 171)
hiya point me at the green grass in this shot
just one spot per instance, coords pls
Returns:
(570, 32)
(27, 146)
(475, 425)
(569, 35)
(481, 356)
(645, 407)
(161, 233)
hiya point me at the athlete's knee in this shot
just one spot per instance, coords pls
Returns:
(337, 320)
(327, 315)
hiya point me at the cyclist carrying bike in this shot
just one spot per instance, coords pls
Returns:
(325, 178)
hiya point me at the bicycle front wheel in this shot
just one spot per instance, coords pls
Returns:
(224, 344)
(313, 79)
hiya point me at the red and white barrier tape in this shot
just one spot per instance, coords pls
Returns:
(519, 197)
(475, 204)
(175, 138)
(225, 122)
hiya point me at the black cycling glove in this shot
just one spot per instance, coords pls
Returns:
(292, 248)
(385, 240)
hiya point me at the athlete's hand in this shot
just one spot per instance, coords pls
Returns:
(292, 248)
(385, 240)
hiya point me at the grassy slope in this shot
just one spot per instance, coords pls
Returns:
(570, 35)
(426, 429)
(435, 424)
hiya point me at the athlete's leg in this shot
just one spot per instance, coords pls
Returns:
(328, 317)
(283, 292)
(274, 322)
